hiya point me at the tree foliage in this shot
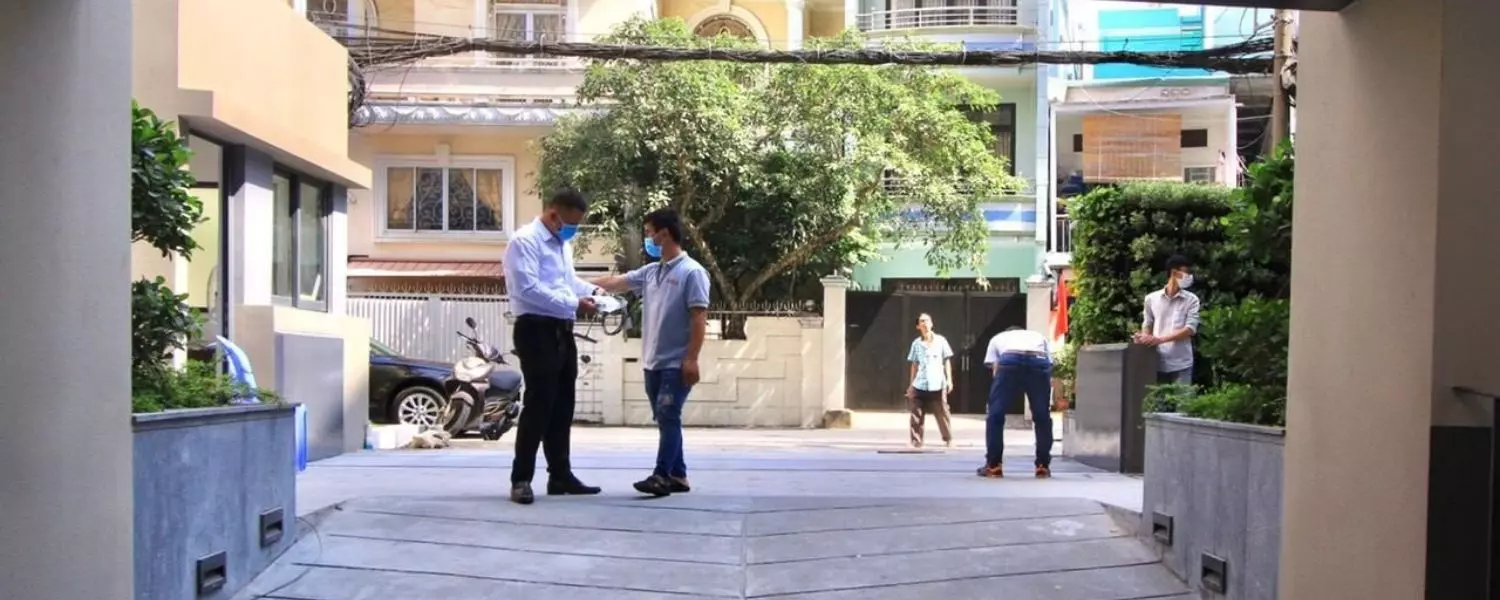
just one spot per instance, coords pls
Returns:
(163, 214)
(779, 171)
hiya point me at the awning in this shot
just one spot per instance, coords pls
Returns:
(360, 267)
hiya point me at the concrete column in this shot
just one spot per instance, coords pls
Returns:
(1229, 174)
(1039, 305)
(1038, 315)
(1042, 153)
(796, 10)
(252, 219)
(1396, 275)
(66, 527)
(835, 291)
(337, 275)
(851, 14)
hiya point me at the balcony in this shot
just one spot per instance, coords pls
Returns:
(1006, 13)
(1062, 235)
(534, 25)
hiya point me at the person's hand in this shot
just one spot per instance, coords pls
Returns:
(586, 306)
(1146, 339)
(690, 372)
(911, 392)
(947, 388)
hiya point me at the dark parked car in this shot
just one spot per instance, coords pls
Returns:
(410, 390)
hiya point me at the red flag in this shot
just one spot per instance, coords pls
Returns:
(1060, 313)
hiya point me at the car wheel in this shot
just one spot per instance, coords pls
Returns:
(419, 405)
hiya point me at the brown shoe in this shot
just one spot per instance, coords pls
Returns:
(1043, 472)
(991, 471)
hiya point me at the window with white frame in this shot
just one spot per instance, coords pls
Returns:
(529, 20)
(1200, 174)
(446, 195)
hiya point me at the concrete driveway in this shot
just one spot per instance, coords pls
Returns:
(774, 514)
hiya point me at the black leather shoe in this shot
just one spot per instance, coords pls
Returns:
(679, 486)
(654, 485)
(570, 487)
(520, 493)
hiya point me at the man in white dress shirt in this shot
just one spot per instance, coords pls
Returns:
(546, 296)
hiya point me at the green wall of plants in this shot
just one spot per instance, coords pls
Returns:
(1240, 242)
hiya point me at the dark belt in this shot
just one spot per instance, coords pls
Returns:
(544, 320)
(1025, 353)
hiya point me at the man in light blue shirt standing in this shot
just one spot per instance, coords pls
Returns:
(675, 292)
(546, 296)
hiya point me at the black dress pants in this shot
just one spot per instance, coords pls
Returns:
(549, 365)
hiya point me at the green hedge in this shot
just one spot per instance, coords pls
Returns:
(1122, 238)
(1241, 242)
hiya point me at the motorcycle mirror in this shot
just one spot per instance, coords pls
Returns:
(470, 322)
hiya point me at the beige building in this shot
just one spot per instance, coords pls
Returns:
(261, 95)
(267, 123)
(1388, 484)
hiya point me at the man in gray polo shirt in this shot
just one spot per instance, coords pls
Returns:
(674, 292)
(1171, 321)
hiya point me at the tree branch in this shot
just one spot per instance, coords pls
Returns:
(710, 261)
(799, 256)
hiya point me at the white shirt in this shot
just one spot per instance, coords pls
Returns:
(1018, 340)
(1166, 315)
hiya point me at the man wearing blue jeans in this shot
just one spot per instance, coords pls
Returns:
(1021, 362)
(674, 292)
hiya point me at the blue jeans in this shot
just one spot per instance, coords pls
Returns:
(1018, 374)
(667, 394)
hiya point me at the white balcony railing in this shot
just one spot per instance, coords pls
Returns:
(339, 27)
(1007, 14)
(1062, 235)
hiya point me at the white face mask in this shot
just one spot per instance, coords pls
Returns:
(1185, 281)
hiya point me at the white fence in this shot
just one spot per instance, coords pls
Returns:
(423, 325)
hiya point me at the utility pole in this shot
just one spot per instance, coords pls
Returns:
(1281, 106)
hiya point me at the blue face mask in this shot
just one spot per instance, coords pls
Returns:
(567, 232)
(653, 249)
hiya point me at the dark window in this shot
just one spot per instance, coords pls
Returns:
(1002, 122)
(1195, 138)
(1078, 142)
(299, 246)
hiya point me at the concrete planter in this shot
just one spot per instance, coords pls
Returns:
(1104, 429)
(1213, 503)
(215, 498)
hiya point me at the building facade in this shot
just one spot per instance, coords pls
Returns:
(1022, 126)
(267, 125)
(1116, 123)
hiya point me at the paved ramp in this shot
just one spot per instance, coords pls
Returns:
(620, 547)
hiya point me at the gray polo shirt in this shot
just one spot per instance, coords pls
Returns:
(1165, 315)
(668, 290)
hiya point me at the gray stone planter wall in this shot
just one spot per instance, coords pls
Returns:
(1215, 488)
(203, 480)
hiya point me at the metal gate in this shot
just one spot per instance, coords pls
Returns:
(882, 325)
(423, 325)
